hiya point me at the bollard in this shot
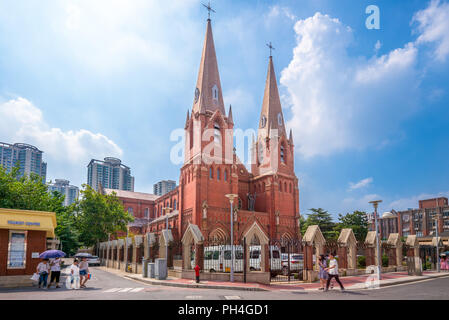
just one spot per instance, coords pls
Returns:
(151, 273)
(144, 268)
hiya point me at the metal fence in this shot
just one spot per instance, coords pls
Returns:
(286, 260)
(218, 256)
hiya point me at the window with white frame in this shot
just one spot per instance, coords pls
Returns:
(17, 249)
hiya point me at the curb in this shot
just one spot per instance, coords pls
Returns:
(388, 284)
(196, 286)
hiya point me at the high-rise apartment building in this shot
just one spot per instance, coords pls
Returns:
(163, 187)
(28, 157)
(110, 174)
(71, 193)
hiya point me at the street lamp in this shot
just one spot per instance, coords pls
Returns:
(436, 234)
(231, 198)
(375, 203)
(167, 211)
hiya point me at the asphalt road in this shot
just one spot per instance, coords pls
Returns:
(108, 286)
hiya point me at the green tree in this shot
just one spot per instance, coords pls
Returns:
(357, 221)
(99, 215)
(30, 193)
(26, 193)
(324, 220)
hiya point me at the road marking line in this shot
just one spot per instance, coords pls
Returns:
(137, 289)
(112, 290)
(194, 297)
(232, 297)
(125, 290)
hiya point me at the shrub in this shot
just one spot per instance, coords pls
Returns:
(384, 261)
(361, 262)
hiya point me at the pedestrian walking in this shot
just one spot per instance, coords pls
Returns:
(323, 273)
(197, 273)
(55, 268)
(74, 282)
(444, 263)
(84, 271)
(42, 270)
(333, 272)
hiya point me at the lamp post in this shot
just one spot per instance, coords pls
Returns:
(436, 234)
(379, 260)
(126, 248)
(167, 211)
(231, 198)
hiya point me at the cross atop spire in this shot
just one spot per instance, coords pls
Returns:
(269, 45)
(209, 9)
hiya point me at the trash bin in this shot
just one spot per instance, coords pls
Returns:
(151, 270)
(160, 270)
(144, 268)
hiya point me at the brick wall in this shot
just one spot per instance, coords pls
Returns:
(36, 242)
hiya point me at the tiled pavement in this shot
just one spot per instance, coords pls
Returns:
(350, 283)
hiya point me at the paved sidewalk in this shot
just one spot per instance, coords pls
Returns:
(350, 283)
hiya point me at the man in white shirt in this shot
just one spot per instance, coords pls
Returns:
(333, 272)
(55, 268)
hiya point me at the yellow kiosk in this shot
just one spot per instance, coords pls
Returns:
(23, 236)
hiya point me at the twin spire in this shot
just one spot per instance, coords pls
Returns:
(209, 96)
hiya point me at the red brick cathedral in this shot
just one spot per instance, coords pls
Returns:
(268, 195)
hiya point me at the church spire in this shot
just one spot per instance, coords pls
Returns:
(208, 93)
(271, 114)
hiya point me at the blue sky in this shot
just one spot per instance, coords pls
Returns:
(368, 108)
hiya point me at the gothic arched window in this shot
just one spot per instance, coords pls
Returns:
(217, 133)
(282, 154)
(218, 174)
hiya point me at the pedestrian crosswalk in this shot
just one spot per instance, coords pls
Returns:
(232, 297)
(123, 290)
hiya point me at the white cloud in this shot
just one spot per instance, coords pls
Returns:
(361, 184)
(103, 36)
(277, 11)
(342, 102)
(433, 26)
(361, 204)
(67, 152)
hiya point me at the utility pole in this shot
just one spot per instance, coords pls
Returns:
(436, 234)
(379, 259)
(231, 198)
(167, 211)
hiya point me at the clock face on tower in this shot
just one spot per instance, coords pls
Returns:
(197, 94)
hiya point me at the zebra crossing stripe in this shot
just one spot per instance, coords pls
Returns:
(194, 297)
(112, 290)
(232, 297)
(137, 289)
(125, 290)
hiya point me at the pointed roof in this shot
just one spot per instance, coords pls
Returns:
(230, 119)
(208, 93)
(271, 113)
(188, 118)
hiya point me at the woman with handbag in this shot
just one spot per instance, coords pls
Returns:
(42, 270)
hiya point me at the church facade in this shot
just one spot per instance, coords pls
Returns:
(268, 194)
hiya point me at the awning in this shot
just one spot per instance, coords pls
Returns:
(28, 220)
